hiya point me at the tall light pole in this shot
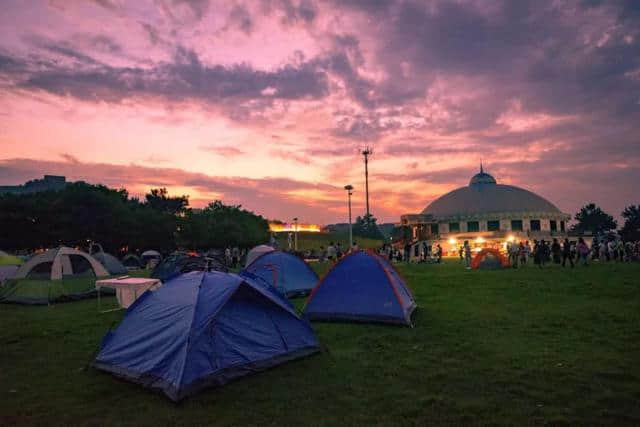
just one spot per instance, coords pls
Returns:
(366, 153)
(349, 189)
(295, 235)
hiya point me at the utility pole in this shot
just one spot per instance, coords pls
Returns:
(366, 153)
(349, 189)
(295, 231)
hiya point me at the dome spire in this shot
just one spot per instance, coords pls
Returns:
(481, 171)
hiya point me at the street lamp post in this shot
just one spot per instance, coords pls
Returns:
(295, 233)
(349, 189)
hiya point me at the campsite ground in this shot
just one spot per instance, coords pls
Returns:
(509, 347)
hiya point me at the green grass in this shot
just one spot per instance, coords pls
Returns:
(511, 347)
(308, 240)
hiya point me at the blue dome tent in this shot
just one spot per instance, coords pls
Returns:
(289, 274)
(202, 329)
(362, 287)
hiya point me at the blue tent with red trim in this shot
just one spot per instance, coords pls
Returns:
(362, 287)
(203, 329)
(289, 274)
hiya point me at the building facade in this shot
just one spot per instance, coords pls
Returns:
(487, 214)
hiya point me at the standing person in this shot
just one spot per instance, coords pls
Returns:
(595, 249)
(566, 252)
(619, 250)
(235, 253)
(536, 252)
(331, 252)
(338, 251)
(556, 251)
(583, 251)
(227, 255)
(407, 252)
(523, 255)
(527, 252)
(322, 256)
(546, 252)
(425, 250)
(609, 250)
(439, 253)
(513, 254)
(354, 247)
(467, 254)
(602, 256)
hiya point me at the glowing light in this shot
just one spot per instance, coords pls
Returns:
(511, 239)
(452, 241)
(281, 228)
(479, 240)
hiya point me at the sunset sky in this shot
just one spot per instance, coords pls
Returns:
(266, 103)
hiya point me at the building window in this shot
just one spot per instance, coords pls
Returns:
(473, 226)
(553, 225)
(561, 225)
(434, 229)
(493, 225)
(454, 227)
(516, 224)
(535, 225)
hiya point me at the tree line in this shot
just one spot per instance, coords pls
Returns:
(82, 212)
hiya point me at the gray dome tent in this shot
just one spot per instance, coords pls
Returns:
(111, 263)
(61, 274)
(56, 263)
(132, 262)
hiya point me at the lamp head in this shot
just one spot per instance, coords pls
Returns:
(348, 187)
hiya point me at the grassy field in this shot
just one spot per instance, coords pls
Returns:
(511, 347)
(315, 240)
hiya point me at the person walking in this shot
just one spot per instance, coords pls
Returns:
(467, 254)
(439, 250)
(583, 251)
(566, 252)
(556, 251)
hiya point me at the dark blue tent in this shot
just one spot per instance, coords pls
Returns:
(203, 329)
(362, 287)
(289, 274)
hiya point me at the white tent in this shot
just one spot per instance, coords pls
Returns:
(56, 263)
(256, 252)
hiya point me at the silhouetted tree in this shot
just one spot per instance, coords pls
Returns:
(631, 228)
(159, 200)
(366, 226)
(592, 218)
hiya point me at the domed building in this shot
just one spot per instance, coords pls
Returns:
(487, 214)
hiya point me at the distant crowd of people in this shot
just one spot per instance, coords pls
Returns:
(569, 253)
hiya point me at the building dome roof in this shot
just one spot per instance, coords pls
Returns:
(484, 195)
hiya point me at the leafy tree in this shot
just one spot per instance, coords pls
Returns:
(366, 226)
(159, 200)
(400, 233)
(592, 218)
(81, 212)
(219, 225)
(631, 229)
